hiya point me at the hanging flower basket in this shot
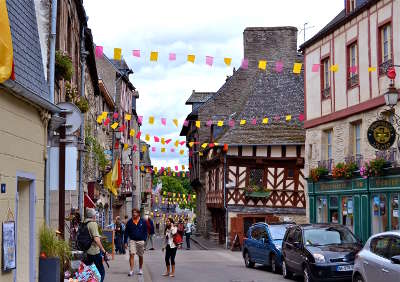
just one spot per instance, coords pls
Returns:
(63, 66)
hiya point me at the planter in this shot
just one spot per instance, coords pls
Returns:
(258, 194)
(49, 269)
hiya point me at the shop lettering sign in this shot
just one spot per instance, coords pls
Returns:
(385, 182)
(381, 135)
(341, 185)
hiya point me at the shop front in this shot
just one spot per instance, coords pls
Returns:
(365, 206)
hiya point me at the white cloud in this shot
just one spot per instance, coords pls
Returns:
(189, 27)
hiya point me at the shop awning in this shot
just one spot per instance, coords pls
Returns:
(88, 203)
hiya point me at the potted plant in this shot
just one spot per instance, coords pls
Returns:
(317, 173)
(63, 66)
(373, 168)
(83, 104)
(55, 254)
(255, 191)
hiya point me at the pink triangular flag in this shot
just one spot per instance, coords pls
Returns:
(138, 135)
(231, 123)
(176, 168)
(153, 149)
(245, 64)
(167, 141)
(182, 143)
(134, 148)
(315, 67)
(254, 121)
(172, 150)
(172, 56)
(209, 123)
(301, 117)
(136, 53)
(353, 69)
(277, 118)
(99, 51)
(140, 119)
(186, 123)
(115, 115)
(163, 121)
(278, 66)
(209, 60)
(156, 139)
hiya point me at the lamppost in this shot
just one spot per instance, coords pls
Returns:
(392, 94)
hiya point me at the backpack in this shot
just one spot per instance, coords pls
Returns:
(84, 239)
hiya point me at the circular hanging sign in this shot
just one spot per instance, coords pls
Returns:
(381, 135)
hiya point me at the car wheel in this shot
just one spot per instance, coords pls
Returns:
(307, 275)
(274, 266)
(286, 272)
(358, 278)
(247, 260)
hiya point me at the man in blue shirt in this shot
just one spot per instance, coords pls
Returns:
(136, 233)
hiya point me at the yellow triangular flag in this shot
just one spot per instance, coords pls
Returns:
(176, 143)
(297, 68)
(163, 140)
(104, 115)
(265, 120)
(132, 132)
(6, 47)
(371, 69)
(154, 56)
(151, 120)
(200, 154)
(147, 138)
(191, 58)
(181, 152)
(144, 148)
(183, 167)
(216, 144)
(242, 122)
(204, 145)
(142, 168)
(227, 61)
(220, 123)
(262, 65)
(191, 144)
(155, 170)
(175, 122)
(128, 117)
(99, 119)
(162, 150)
(114, 125)
(117, 54)
(126, 146)
(173, 174)
(334, 68)
(288, 117)
(197, 123)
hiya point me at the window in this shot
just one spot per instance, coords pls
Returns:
(352, 64)
(263, 234)
(290, 236)
(256, 233)
(297, 236)
(289, 173)
(386, 45)
(352, 5)
(322, 210)
(357, 139)
(379, 218)
(328, 236)
(325, 78)
(256, 178)
(217, 179)
(395, 247)
(379, 246)
(328, 144)
(394, 202)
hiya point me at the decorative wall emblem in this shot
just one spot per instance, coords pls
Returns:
(381, 135)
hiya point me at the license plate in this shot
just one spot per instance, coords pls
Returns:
(345, 267)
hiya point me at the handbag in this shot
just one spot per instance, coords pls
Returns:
(177, 239)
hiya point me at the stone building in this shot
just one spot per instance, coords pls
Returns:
(340, 106)
(146, 177)
(267, 157)
(25, 112)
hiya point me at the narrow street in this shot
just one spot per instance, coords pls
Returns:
(195, 265)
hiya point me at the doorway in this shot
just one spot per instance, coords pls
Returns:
(25, 228)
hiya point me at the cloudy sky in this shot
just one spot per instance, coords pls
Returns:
(213, 28)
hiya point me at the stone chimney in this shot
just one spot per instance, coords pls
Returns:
(271, 44)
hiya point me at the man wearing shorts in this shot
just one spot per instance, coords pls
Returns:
(136, 234)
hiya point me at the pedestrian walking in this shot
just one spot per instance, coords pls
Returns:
(93, 254)
(170, 247)
(188, 233)
(119, 231)
(150, 232)
(136, 234)
(181, 228)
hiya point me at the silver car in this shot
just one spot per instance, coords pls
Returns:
(379, 260)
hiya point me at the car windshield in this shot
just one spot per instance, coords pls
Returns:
(328, 236)
(277, 231)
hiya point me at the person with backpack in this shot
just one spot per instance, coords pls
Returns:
(181, 230)
(150, 232)
(119, 230)
(172, 241)
(136, 233)
(188, 233)
(89, 241)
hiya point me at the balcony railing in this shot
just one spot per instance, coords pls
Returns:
(326, 93)
(383, 67)
(388, 155)
(352, 80)
(357, 159)
(326, 164)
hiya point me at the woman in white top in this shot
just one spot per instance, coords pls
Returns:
(170, 247)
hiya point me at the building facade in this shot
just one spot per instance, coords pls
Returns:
(344, 95)
(251, 172)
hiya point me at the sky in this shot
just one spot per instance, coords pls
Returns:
(203, 28)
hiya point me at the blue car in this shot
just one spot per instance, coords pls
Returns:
(263, 245)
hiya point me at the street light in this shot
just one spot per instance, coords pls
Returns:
(391, 95)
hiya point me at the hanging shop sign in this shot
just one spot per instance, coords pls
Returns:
(381, 135)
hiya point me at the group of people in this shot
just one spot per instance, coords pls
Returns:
(137, 233)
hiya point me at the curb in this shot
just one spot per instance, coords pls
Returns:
(200, 244)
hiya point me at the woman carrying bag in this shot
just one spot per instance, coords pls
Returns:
(172, 240)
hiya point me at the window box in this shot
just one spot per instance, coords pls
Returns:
(257, 194)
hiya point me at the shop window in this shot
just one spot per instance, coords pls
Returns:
(379, 222)
(334, 209)
(347, 212)
(394, 204)
(322, 210)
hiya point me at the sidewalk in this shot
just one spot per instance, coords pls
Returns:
(119, 268)
(206, 244)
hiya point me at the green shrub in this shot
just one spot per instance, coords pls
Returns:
(63, 64)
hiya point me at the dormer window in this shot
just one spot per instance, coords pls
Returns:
(351, 5)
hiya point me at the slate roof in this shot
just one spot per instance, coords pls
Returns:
(199, 97)
(28, 64)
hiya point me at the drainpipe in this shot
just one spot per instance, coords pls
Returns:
(53, 30)
(225, 205)
(82, 133)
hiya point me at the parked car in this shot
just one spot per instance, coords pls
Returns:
(263, 245)
(319, 252)
(379, 260)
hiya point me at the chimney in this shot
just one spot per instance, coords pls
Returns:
(271, 44)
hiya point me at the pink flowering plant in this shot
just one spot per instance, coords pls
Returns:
(372, 168)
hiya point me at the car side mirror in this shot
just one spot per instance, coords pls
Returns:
(395, 259)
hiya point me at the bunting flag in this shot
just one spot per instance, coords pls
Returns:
(197, 123)
(99, 119)
(126, 146)
(163, 140)
(175, 121)
(154, 56)
(172, 56)
(114, 125)
(315, 67)
(147, 137)
(279, 66)
(334, 68)
(228, 61)
(262, 65)
(191, 58)
(128, 117)
(99, 51)
(372, 69)
(117, 54)
(115, 115)
(245, 64)
(220, 123)
(151, 120)
(136, 53)
(164, 121)
(288, 117)
(297, 68)
(242, 122)
(132, 132)
(209, 60)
